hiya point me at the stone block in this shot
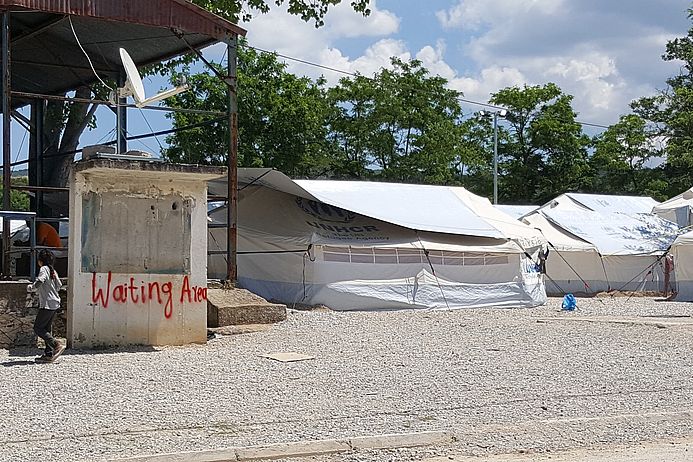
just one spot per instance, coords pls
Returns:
(230, 307)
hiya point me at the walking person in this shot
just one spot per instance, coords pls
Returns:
(47, 284)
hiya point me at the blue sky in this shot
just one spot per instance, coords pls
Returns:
(604, 53)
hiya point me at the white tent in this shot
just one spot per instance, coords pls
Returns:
(517, 211)
(362, 245)
(15, 225)
(682, 251)
(600, 243)
(678, 209)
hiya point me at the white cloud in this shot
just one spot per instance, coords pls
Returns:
(490, 80)
(290, 36)
(433, 59)
(601, 53)
(475, 13)
(375, 57)
(342, 21)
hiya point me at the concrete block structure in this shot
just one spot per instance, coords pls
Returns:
(138, 253)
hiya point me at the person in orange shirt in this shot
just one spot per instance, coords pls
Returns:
(47, 236)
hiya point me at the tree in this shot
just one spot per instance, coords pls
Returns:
(671, 112)
(620, 157)
(19, 201)
(400, 125)
(546, 152)
(281, 119)
(476, 172)
(307, 10)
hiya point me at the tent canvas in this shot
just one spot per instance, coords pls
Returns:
(368, 246)
(678, 209)
(516, 211)
(601, 243)
(682, 251)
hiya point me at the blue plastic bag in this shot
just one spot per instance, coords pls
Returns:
(569, 302)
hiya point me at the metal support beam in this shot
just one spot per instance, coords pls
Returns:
(121, 119)
(232, 218)
(22, 119)
(36, 152)
(6, 133)
(40, 150)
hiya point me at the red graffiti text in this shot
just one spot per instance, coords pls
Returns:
(142, 292)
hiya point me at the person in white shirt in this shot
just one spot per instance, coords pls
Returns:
(47, 285)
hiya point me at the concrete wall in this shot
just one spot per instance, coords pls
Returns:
(138, 253)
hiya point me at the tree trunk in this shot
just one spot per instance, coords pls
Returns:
(63, 129)
(63, 124)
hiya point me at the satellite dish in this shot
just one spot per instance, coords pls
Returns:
(135, 88)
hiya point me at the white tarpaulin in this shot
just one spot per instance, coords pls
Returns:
(678, 209)
(682, 251)
(516, 211)
(604, 203)
(615, 233)
(358, 245)
(15, 225)
(600, 243)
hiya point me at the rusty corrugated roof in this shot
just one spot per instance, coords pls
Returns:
(46, 58)
(174, 14)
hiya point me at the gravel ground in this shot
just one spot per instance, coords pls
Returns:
(500, 379)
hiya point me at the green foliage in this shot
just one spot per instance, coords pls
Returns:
(19, 200)
(406, 125)
(281, 119)
(400, 125)
(620, 156)
(307, 10)
(671, 115)
(474, 167)
(546, 152)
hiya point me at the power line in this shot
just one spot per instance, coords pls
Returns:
(353, 74)
(129, 138)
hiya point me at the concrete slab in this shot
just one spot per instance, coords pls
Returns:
(402, 440)
(298, 449)
(302, 448)
(230, 307)
(288, 357)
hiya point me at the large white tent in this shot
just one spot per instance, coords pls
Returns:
(678, 209)
(516, 211)
(682, 251)
(368, 246)
(600, 243)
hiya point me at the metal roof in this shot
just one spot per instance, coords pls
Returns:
(46, 58)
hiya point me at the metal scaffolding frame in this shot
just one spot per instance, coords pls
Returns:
(35, 128)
